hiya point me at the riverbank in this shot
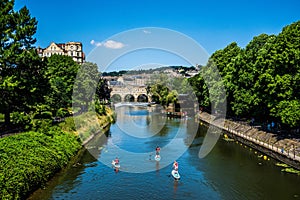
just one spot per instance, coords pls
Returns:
(283, 147)
(28, 160)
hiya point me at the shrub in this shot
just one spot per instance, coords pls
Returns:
(28, 160)
(21, 119)
(62, 112)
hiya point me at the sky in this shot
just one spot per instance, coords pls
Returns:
(103, 24)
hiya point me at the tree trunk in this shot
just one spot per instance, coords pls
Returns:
(7, 117)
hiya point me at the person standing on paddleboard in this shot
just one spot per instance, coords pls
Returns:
(157, 150)
(175, 165)
(116, 161)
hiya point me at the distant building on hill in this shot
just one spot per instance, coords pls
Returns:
(73, 49)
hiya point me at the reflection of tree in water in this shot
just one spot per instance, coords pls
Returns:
(194, 132)
(96, 144)
(164, 131)
(69, 177)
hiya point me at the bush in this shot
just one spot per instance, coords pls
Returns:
(41, 125)
(62, 112)
(68, 125)
(43, 115)
(28, 160)
(21, 119)
(1, 117)
(100, 109)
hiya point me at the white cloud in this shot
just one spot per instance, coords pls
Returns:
(146, 32)
(97, 44)
(110, 44)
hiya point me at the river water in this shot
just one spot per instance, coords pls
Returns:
(230, 171)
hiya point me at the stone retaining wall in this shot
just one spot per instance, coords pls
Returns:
(286, 150)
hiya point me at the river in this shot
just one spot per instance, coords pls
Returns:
(230, 171)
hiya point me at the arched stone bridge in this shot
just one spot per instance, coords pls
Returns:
(129, 93)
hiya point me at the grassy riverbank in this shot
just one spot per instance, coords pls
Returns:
(28, 160)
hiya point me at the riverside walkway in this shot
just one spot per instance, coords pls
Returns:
(282, 147)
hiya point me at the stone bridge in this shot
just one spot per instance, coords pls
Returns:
(129, 93)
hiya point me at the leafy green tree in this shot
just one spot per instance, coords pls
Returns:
(246, 98)
(21, 68)
(85, 85)
(103, 91)
(219, 76)
(279, 77)
(200, 89)
(262, 80)
(159, 93)
(61, 72)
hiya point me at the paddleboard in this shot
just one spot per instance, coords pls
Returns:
(115, 165)
(175, 174)
(157, 157)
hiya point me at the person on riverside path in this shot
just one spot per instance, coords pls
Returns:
(175, 165)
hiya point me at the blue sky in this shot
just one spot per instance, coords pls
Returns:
(212, 24)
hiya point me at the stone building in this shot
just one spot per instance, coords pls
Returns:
(73, 49)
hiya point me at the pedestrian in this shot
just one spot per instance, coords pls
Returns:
(252, 121)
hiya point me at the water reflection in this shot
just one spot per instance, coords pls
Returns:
(171, 137)
(230, 171)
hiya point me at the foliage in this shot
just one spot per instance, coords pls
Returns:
(41, 125)
(181, 69)
(201, 91)
(68, 125)
(29, 159)
(61, 72)
(100, 108)
(261, 81)
(21, 119)
(103, 91)
(22, 76)
(85, 85)
(32, 92)
(62, 112)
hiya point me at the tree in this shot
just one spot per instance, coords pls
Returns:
(281, 75)
(85, 85)
(61, 72)
(200, 89)
(262, 80)
(246, 98)
(103, 91)
(20, 65)
(219, 75)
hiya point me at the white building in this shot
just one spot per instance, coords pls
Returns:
(73, 49)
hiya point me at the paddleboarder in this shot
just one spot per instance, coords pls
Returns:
(175, 165)
(157, 150)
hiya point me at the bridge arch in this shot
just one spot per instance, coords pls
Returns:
(129, 98)
(142, 98)
(116, 98)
